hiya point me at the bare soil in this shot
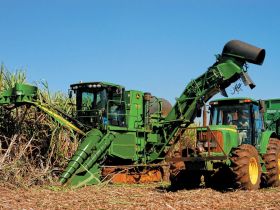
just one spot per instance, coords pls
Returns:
(135, 197)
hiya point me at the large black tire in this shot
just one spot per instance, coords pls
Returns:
(272, 163)
(246, 167)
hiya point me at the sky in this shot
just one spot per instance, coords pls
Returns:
(155, 46)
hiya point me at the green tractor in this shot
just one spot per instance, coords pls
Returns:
(241, 144)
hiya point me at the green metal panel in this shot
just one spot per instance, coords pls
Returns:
(152, 138)
(134, 102)
(272, 115)
(124, 146)
(20, 93)
(230, 136)
(265, 141)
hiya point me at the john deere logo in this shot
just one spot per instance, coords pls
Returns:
(137, 95)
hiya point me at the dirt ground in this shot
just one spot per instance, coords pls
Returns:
(135, 197)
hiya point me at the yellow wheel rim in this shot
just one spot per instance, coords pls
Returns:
(278, 162)
(254, 170)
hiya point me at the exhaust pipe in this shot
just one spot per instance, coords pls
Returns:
(247, 80)
(247, 52)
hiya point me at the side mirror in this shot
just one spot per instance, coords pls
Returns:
(70, 93)
(262, 106)
(119, 91)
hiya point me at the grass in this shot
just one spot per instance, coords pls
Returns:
(34, 148)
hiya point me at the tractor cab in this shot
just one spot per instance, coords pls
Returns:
(243, 114)
(98, 104)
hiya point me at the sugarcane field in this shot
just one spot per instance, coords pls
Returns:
(139, 105)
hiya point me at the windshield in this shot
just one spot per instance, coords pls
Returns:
(91, 105)
(88, 100)
(96, 107)
(236, 115)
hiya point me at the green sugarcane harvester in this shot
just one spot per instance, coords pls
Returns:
(129, 135)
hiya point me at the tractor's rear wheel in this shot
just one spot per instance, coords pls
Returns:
(246, 167)
(272, 164)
